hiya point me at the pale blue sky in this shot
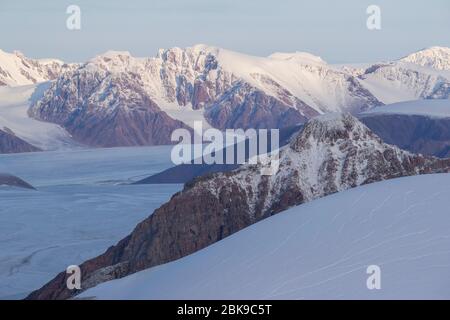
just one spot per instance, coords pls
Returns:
(334, 30)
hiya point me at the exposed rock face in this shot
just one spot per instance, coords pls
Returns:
(105, 110)
(415, 133)
(16, 69)
(332, 153)
(13, 181)
(9, 143)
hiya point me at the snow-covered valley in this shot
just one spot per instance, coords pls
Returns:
(14, 104)
(80, 208)
(319, 250)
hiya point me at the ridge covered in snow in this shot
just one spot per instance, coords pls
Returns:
(439, 108)
(319, 250)
(17, 70)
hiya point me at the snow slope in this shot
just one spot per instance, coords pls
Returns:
(319, 250)
(14, 104)
(439, 108)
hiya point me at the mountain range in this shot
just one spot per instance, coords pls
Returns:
(116, 99)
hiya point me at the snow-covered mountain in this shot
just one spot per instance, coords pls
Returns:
(319, 250)
(17, 70)
(229, 89)
(434, 57)
(436, 108)
(105, 109)
(332, 153)
(421, 75)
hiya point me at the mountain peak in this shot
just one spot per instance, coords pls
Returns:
(331, 127)
(433, 57)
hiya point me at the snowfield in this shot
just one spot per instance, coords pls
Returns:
(319, 250)
(439, 108)
(80, 208)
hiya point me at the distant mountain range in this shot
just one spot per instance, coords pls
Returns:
(116, 99)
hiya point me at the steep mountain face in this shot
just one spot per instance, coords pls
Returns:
(10, 143)
(16, 69)
(332, 153)
(105, 109)
(224, 88)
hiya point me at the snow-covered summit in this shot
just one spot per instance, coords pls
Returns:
(433, 57)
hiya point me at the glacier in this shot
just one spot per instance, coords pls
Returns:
(82, 206)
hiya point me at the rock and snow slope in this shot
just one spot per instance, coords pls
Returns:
(422, 75)
(319, 250)
(332, 153)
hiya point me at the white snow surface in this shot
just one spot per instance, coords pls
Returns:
(438, 108)
(319, 250)
(14, 105)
